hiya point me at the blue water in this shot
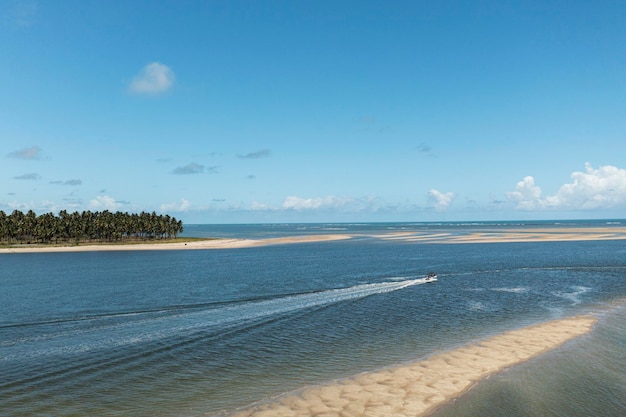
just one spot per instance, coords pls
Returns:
(190, 333)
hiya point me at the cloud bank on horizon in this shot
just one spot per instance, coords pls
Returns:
(467, 113)
(602, 188)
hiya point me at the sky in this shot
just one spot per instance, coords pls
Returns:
(313, 110)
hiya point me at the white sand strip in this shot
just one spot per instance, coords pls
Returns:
(419, 388)
(199, 244)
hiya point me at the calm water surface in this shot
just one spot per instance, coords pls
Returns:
(190, 333)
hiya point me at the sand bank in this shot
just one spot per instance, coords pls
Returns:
(421, 387)
(200, 244)
(537, 235)
(513, 235)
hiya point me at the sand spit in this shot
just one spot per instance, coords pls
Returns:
(419, 388)
(200, 244)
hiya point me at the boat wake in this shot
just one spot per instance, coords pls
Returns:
(73, 336)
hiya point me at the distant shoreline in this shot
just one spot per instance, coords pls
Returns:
(486, 235)
(188, 245)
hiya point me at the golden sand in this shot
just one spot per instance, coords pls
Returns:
(199, 244)
(420, 387)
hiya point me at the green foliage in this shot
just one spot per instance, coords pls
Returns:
(87, 226)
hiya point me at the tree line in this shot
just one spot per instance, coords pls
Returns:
(88, 226)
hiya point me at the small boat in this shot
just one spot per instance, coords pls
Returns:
(431, 277)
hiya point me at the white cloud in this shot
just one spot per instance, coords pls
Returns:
(50, 206)
(297, 203)
(601, 188)
(104, 202)
(14, 205)
(441, 200)
(183, 205)
(154, 78)
(339, 204)
(527, 195)
(604, 187)
(256, 206)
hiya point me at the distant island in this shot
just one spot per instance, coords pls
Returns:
(86, 227)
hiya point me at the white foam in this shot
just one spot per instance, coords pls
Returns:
(516, 290)
(573, 296)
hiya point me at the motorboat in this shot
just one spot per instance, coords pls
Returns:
(431, 277)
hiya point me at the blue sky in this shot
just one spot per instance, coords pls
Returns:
(300, 111)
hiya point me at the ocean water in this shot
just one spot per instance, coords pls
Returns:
(203, 333)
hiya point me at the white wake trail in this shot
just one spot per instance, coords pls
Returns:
(107, 333)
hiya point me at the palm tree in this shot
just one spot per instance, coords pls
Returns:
(48, 227)
(30, 221)
(86, 226)
(4, 226)
(16, 224)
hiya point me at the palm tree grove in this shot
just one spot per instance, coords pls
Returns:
(85, 227)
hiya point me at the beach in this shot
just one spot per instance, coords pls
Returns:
(193, 245)
(530, 234)
(419, 388)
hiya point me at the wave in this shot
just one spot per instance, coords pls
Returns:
(574, 296)
(516, 290)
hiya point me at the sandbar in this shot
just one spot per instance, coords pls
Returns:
(513, 235)
(199, 244)
(419, 388)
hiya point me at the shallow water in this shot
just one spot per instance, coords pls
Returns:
(186, 333)
(586, 377)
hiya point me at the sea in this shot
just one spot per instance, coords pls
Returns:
(208, 332)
